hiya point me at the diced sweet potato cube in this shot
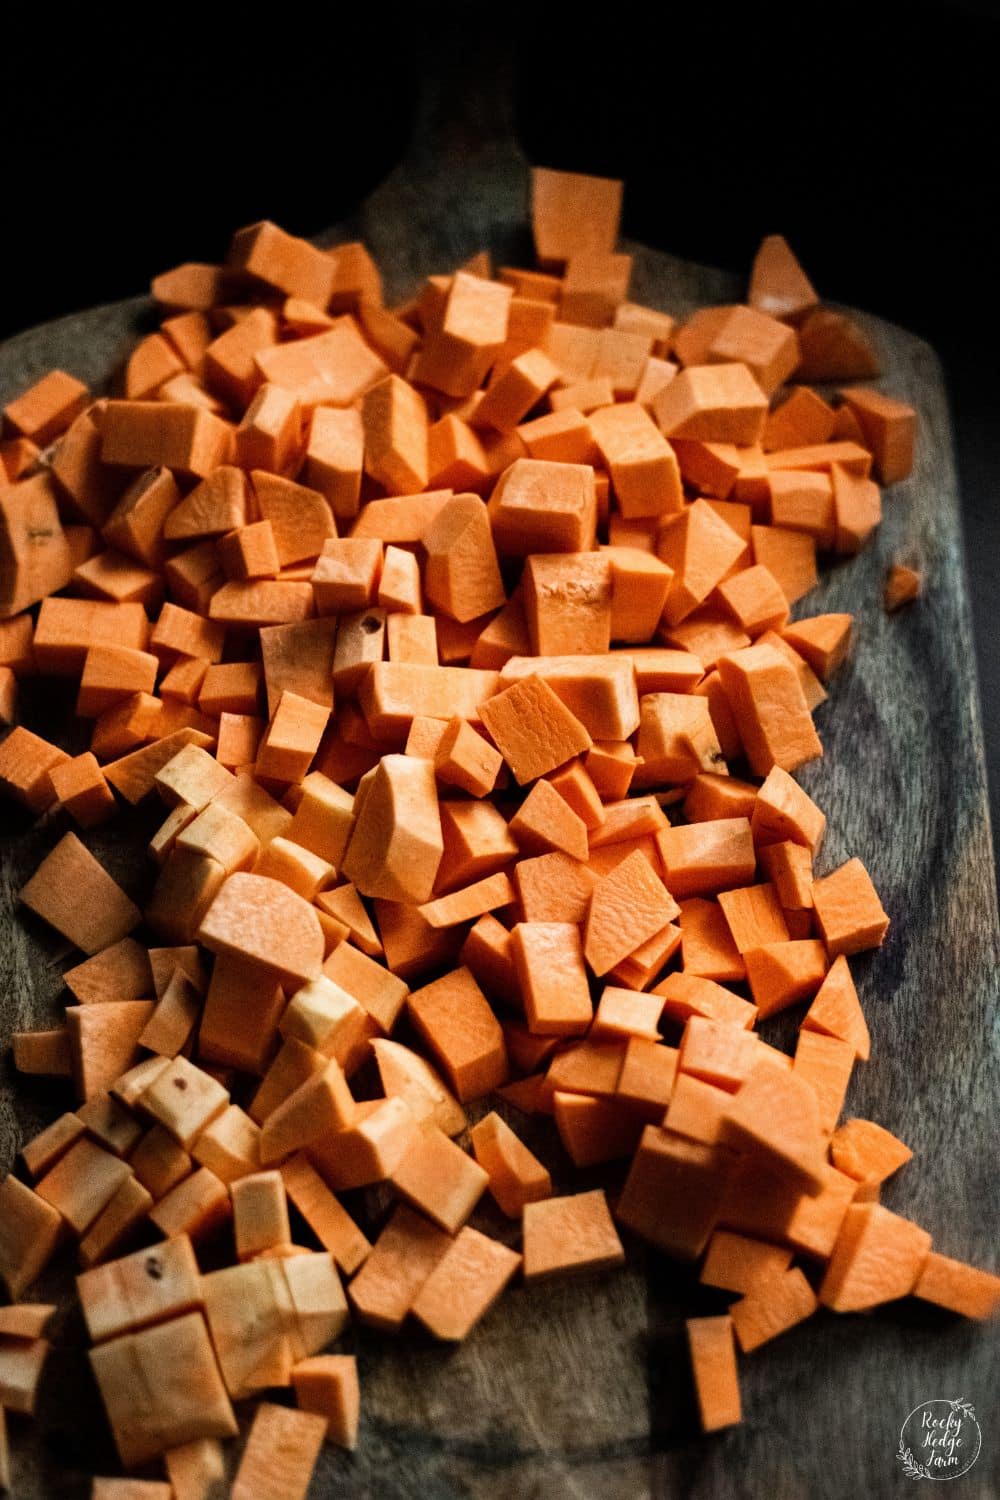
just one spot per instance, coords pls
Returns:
(549, 960)
(252, 1324)
(103, 1041)
(329, 1221)
(198, 1206)
(784, 811)
(738, 1263)
(262, 921)
(599, 691)
(150, 1286)
(26, 1320)
(866, 1151)
(161, 1387)
(720, 403)
(76, 895)
(674, 1191)
(889, 428)
(718, 1052)
(229, 1146)
(327, 1385)
(713, 1363)
(463, 339)
(959, 1287)
(677, 739)
(836, 1010)
(465, 759)
(437, 1177)
(701, 548)
(704, 858)
(260, 1213)
(194, 1468)
(777, 1114)
(184, 1100)
(280, 1455)
(770, 710)
(624, 1013)
(464, 1284)
(778, 284)
(877, 1258)
(454, 1019)
(401, 1260)
(572, 212)
(80, 786)
(569, 1235)
(647, 1078)
(754, 915)
(848, 910)
(319, 1107)
(533, 729)
(780, 974)
(627, 907)
(544, 506)
(21, 1365)
(826, 1064)
(396, 845)
(29, 1232)
(461, 574)
(567, 599)
(381, 992)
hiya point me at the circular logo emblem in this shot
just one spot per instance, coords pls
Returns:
(939, 1440)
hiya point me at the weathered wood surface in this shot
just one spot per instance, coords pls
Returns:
(583, 1389)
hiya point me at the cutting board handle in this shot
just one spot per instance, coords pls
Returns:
(465, 103)
(462, 183)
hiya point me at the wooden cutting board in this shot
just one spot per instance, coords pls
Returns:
(583, 1389)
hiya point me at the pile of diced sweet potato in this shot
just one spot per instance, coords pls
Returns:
(455, 640)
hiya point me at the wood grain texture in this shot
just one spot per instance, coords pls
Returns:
(583, 1389)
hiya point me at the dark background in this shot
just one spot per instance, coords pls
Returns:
(866, 133)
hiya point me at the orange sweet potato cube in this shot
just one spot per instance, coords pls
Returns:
(439, 1178)
(569, 1235)
(465, 759)
(347, 574)
(47, 407)
(572, 213)
(394, 419)
(961, 1288)
(720, 403)
(769, 348)
(327, 1385)
(79, 786)
(464, 1284)
(541, 506)
(713, 1363)
(674, 1191)
(889, 428)
(701, 548)
(548, 957)
(270, 434)
(567, 600)
(848, 910)
(465, 336)
(878, 1257)
(643, 466)
(472, 1055)
(515, 719)
(770, 709)
(778, 284)
(291, 738)
(161, 1388)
